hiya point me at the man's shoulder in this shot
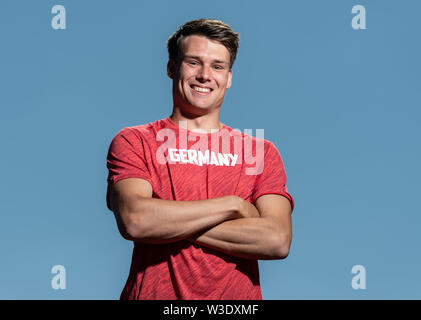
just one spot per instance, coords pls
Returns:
(256, 137)
(140, 131)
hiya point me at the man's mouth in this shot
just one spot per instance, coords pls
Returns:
(201, 89)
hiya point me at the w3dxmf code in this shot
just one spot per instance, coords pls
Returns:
(226, 309)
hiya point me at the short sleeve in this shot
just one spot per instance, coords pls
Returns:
(126, 159)
(273, 178)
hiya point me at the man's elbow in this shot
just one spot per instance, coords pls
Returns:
(282, 246)
(126, 231)
(282, 252)
(135, 228)
(129, 226)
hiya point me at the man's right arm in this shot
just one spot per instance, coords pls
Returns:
(143, 218)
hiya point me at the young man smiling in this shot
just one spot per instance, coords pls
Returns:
(198, 216)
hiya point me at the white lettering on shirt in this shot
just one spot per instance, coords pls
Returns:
(200, 158)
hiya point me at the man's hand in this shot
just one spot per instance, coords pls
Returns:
(248, 209)
(267, 236)
(140, 217)
(243, 208)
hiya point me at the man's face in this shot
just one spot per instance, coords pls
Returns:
(202, 74)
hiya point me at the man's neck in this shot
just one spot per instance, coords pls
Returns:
(206, 123)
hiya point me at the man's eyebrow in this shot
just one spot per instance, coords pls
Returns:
(199, 58)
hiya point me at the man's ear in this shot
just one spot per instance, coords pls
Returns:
(171, 67)
(229, 79)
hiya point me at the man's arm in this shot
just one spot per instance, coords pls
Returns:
(265, 237)
(143, 218)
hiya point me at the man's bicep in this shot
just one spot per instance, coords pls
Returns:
(124, 199)
(124, 192)
(276, 208)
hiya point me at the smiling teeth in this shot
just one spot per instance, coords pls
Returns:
(201, 89)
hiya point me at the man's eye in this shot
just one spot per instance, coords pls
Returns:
(218, 67)
(192, 63)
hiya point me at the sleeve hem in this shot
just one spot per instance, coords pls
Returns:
(284, 194)
(113, 181)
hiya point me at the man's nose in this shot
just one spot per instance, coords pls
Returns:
(204, 73)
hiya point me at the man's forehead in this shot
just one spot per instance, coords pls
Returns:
(200, 47)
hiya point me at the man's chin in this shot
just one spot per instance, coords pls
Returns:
(195, 107)
(201, 107)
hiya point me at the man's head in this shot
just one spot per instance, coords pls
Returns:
(212, 29)
(201, 55)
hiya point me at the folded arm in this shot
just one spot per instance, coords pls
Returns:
(143, 218)
(265, 237)
(228, 224)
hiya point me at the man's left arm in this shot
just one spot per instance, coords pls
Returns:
(263, 238)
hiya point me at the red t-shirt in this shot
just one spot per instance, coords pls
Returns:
(184, 165)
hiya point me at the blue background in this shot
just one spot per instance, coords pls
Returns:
(341, 105)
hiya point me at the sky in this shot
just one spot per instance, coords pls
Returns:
(341, 103)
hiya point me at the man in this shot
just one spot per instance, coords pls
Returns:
(183, 188)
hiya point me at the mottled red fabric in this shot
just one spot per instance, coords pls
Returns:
(183, 165)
